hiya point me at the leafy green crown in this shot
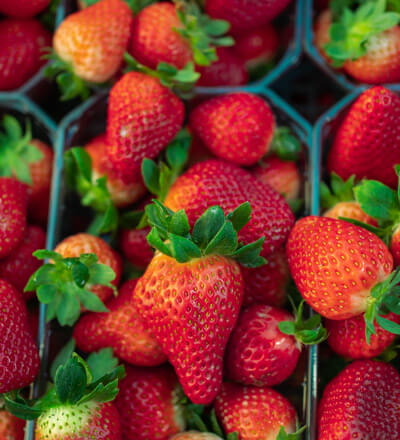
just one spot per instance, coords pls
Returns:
(340, 191)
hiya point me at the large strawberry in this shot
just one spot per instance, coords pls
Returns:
(21, 50)
(89, 46)
(76, 407)
(191, 292)
(22, 8)
(149, 404)
(11, 427)
(216, 182)
(143, 117)
(19, 356)
(366, 142)
(349, 407)
(121, 329)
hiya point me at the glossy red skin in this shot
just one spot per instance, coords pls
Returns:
(228, 70)
(336, 264)
(19, 356)
(366, 143)
(254, 413)
(20, 264)
(267, 284)
(21, 50)
(191, 309)
(347, 337)
(122, 329)
(143, 117)
(258, 353)
(349, 407)
(148, 404)
(134, 246)
(244, 15)
(11, 427)
(155, 40)
(237, 127)
(13, 207)
(78, 244)
(22, 8)
(395, 246)
(215, 182)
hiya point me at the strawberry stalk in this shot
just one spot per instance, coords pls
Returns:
(64, 283)
(339, 191)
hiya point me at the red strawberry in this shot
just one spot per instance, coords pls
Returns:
(238, 127)
(366, 143)
(284, 176)
(362, 402)
(395, 246)
(134, 246)
(254, 413)
(14, 197)
(21, 50)
(267, 284)
(243, 15)
(17, 267)
(216, 182)
(143, 117)
(11, 428)
(350, 210)
(19, 356)
(198, 151)
(22, 8)
(148, 403)
(121, 329)
(195, 435)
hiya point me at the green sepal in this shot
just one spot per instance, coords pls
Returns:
(102, 362)
(285, 145)
(337, 7)
(20, 407)
(309, 331)
(194, 416)
(339, 191)
(135, 5)
(48, 17)
(71, 380)
(131, 219)
(62, 357)
(283, 435)
(393, 5)
(16, 152)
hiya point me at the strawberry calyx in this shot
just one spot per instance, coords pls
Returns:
(16, 152)
(213, 233)
(353, 30)
(283, 435)
(63, 284)
(73, 385)
(338, 191)
(93, 192)
(307, 332)
(285, 145)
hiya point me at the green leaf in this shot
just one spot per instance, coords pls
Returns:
(68, 310)
(287, 327)
(285, 145)
(62, 357)
(224, 242)
(215, 425)
(131, 219)
(179, 224)
(83, 162)
(44, 254)
(207, 226)
(12, 127)
(249, 255)
(282, 435)
(177, 151)
(71, 381)
(240, 216)
(388, 325)
(91, 301)
(101, 274)
(20, 408)
(183, 249)
(151, 176)
(80, 273)
(155, 241)
(101, 363)
(46, 293)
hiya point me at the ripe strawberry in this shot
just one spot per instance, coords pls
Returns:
(22, 8)
(199, 292)
(148, 404)
(267, 284)
(18, 266)
(349, 407)
(21, 49)
(244, 16)
(195, 435)
(253, 412)
(366, 142)
(19, 356)
(143, 117)
(283, 175)
(134, 246)
(121, 329)
(238, 127)
(14, 197)
(198, 152)
(11, 428)
(216, 182)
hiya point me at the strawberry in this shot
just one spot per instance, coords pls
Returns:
(349, 407)
(143, 117)
(18, 266)
(238, 127)
(134, 246)
(76, 406)
(254, 412)
(216, 182)
(22, 8)
(347, 337)
(244, 16)
(13, 206)
(365, 143)
(89, 46)
(198, 152)
(19, 356)
(199, 290)
(121, 329)
(148, 404)
(11, 427)
(21, 46)
(265, 345)
(366, 42)
(195, 435)
(267, 284)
